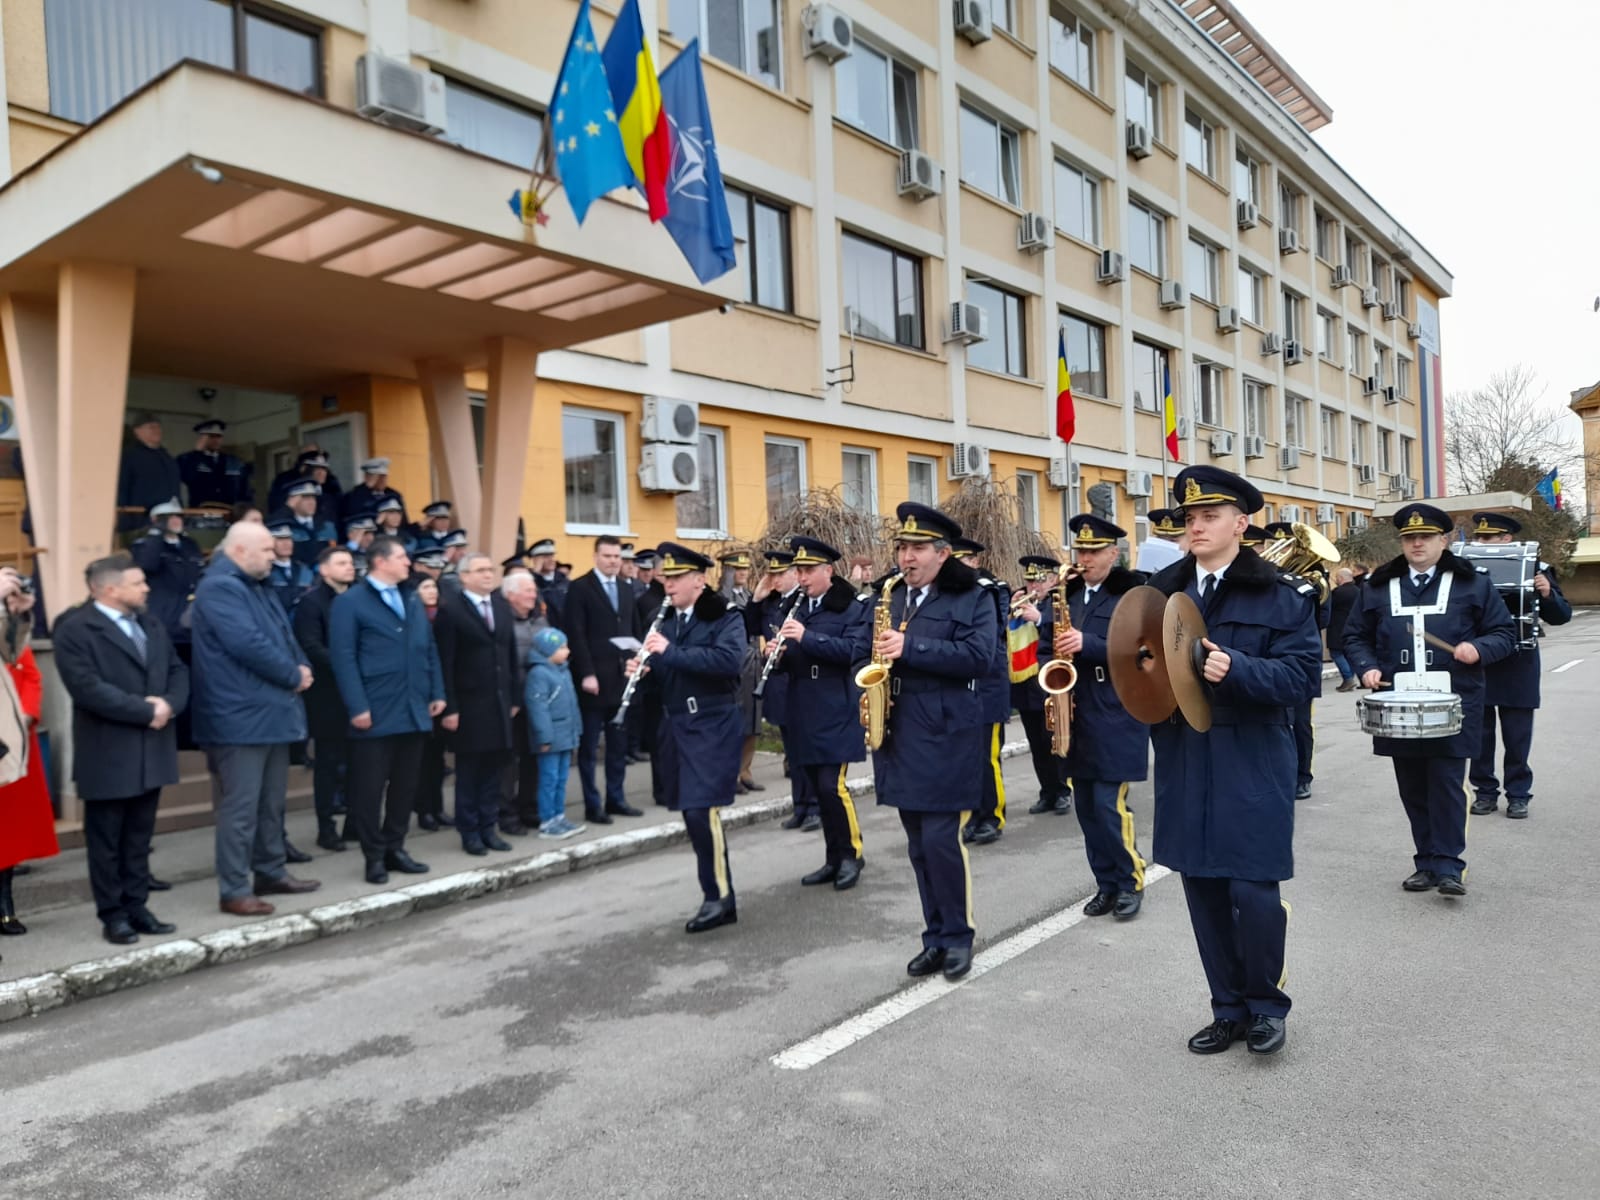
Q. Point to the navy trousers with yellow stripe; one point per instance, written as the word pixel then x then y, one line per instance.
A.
pixel 710 851
pixel 944 877
pixel 1434 793
pixel 1108 836
pixel 841 831
pixel 992 805
pixel 1240 926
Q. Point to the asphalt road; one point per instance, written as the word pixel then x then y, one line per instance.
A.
pixel 570 1041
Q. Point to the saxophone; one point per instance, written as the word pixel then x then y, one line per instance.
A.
pixel 873 679
pixel 1058 676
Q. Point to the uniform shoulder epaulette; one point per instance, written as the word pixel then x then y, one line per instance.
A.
pixel 867 596
pixel 1299 584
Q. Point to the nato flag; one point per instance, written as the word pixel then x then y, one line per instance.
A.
pixel 588 145
pixel 697 216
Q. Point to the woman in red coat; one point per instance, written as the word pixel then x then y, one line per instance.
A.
pixel 27 823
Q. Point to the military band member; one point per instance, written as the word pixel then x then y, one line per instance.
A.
pixel 1107 749
pixel 733 582
pixel 211 476
pixel 940 640
pixel 1034 606
pixel 695 661
pixel 1254 536
pixel 988 821
pixel 826 637
pixel 1224 816
pixel 1304 731
pixel 1166 543
pixel 1512 688
pixel 775 594
pixel 1430 585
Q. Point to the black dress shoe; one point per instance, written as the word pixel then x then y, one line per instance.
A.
pixel 292 854
pixel 475 848
pixel 969 831
pixel 399 860
pixel 148 922
pixel 1100 904
pixel 750 785
pixel 849 874
pixel 826 873
pixel 120 933
pixel 514 829
pixel 376 873
pixel 623 810
pixel 1484 805
pixel 713 913
pixel 495 842
pixel 1128 905
pixel 792 821
pixel 159 885
pixel 926 963
pixel 338 810
pixel 739 788
pixel 1043 804
pixel 1267 1035
pixel 811 824
pixel 1420 881
pixel 957 961
pixel 428 823
pixel 598 818
pixel 1217 1036
pixel 1063 804
pixel 329 841
pixel 1302 791
pixel 1451 885
pixel 987 832
pixel 1517 810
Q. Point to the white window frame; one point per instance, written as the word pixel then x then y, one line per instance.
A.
pixel 1293 316
pixel 1081 34
pixel 1330 432
pixel 1386 451
pixel 1380 362
pixel 752 70
pixel 1000 329
pixel 719 438
pixel 871 455
pixel 1154 224
pixel 1257 420
pixel 1326 222
pixel 1069 174
pixel 1203 266
pixel 1289 204
pixel 1196 123
pixel 1327 334
pixel 1402 376
pixel 1210 393
pixel 1028 498
pixel 1252 296
pixel 1006 181
pixel 894 135
pixel 621 424
pixel 1149 114
pixel 774 439
pixel 1407 445
pixel 1355 257
pixel 924 460
pixel 1358 441
pixel 1154 403
pixel 1356 341
pixel 1244 161
pixel 1295 433
pixel 1003 15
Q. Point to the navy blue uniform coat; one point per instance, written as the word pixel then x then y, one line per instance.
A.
pixel 935 749
pixel 1028 696
pixel 1106 743
pixel 762 622
pixel 384 665
pixel 172 569
pixel 1514 682
pixel 820 669
pixel 1225 798
pixel 995 687
pixel 701 750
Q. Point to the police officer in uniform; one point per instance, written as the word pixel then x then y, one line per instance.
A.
pixel 211 476
pixel 358 536
pixel 313 465
pixel 1224 814
pixel 994 689
pixel 363 499
pixel 695 660
pixel 775 595
pixel 289 578
pixel 1036 616
pixel 1428 585
pixel 1304 731
pixel 171 561
pixel 552 584
pixel 310 532
pixel 939 644
pixel 1512 689
pixel 826 636
pixel 1107 749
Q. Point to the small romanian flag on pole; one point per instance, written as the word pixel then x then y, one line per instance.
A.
pixel 1066 415
pixel 636 96
pixel 1169 414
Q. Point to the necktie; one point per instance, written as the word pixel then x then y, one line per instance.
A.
pixel 611 592
pixel 488 614
pixel 683 620
pixel 812 606
pixel 911 608
pixel 1420 582
pixel 1206 590
pixel 137 636
pixel 391 597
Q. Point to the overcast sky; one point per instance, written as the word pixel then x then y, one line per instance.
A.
pixel 1476 127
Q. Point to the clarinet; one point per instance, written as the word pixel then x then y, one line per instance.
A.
pixel 775 651
pixel 644 657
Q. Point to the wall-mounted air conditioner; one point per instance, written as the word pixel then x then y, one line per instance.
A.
pixel 1288 458
pixel 968 323
pixel 1366 473
pixel 1271 344
pixel 968 460
pixel 1063 473
pixel 1294 352
pixel 917 175
pixel 1343 277
pixel 1138 139
pixel 1112 268
pixel 1140 483
pixel 973 21
pixel 1221 444
pixel 1227 319
pixel 1035 232
pixel 1288 241
pixel 1247 213
pixel 396 93
pixel 1172 294
pixel 668 468
pixel 1326 514
pixel 667 420
pixel 1255 446
pixel 829 32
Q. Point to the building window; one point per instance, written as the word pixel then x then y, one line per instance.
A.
pixel 741 33
pixel 860 478
pixel 1028 498
pixel 1327 236
pixel 1380 277
pixel 1386 451
pixel 761 233
pixel 98 53
pixel 1402 294
pixel 1327 331
pixel 1072 47
pixel 703 513
pixel 1077 203
pixel 1004 14
pixel 1210 390
pixel 1005 349
pixel 878 94
pixel 922 475
pixel 1147 239
pixel 1293 316
pixel 1149 376
pixel 1200 264
pixel 1405 456
pixel 786 475
pixel 882 292
pixel 1288 206
pixel 1402 376
pixel 1380 364
pixel 1142 94
pixel 1246 178
pixel 593 448
pixel 1330 433
pixel 1358 442
pixel 1252 297
pixel 1256 422
pixel 1199 144
pixel 1355 257
pixel 1354 337
pixel 1295 417
pixel 990 156
pixel 1086 355
pixel 492 125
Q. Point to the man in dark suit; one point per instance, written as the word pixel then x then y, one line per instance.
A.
pixel 387 668
pixel 600 606
pixel 126 684
pixel 149 474
pixel 477 657
pixel 326 719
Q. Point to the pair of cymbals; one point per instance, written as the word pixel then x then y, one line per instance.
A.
pixel 1156 656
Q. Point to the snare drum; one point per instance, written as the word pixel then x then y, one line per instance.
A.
pixel 1410 714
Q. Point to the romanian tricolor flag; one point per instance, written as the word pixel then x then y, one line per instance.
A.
pixel 1169 414
pixel 1066 416
pixel 1022 644
pixel 636 96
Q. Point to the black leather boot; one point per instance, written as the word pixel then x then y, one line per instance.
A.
pixel 9 925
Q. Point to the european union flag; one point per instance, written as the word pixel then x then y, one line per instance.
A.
pixel 583 125
pixel 697 217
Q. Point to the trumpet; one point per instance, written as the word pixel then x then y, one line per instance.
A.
pixel 873 679
pixel 775 651
pixel 643 657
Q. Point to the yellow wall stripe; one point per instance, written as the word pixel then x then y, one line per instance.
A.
pixel 719 853
pixel 1128 841
pixel 849 811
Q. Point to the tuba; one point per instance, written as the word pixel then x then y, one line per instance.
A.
pixel 873 679
pixel 1305 554
pixel 1058 676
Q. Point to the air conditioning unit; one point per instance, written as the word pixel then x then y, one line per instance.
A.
pixel 1408 489
pixel 828 32
pixel 1288 241
pixel 1112 268
pixel 1290 513
pixel 1221 444
pixel 1359 520
pixel 968 460
pixel 1140 483
pixel 1369 297
pixel 1255 446
pixel 1248 214
pixel 1184 428
pixel 668 468
pixel 1391 310
pixel 1288 458
pixel 1294 352
pixel 1172 294
pixel 1063 473
pixel 917 176
pixel 1343 277
pixel 1227 319
pixel 1391 395
pixel 1366 473
pixel 1326 514
pixel 1414 330
pixel 1271 344
pixel 671 421
pixel 1138 139
pixel 968 323
pixel 1369 386
pixel 396 93
pixel 1034 233
pixel 973 21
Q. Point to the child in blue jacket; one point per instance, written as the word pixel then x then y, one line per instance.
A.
pixel 554 726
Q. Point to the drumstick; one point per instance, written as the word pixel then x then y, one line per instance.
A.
pixel 1432 639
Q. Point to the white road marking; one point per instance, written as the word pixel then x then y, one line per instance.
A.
pixel 1566 666
pixel 1581 612
pixel 807 1054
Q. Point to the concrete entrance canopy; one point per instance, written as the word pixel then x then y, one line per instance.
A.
pixel 215 227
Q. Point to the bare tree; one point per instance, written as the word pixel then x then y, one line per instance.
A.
pixel 1508 420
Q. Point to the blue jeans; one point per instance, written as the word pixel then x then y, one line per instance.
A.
pixel 1343 663
pixel 553 784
